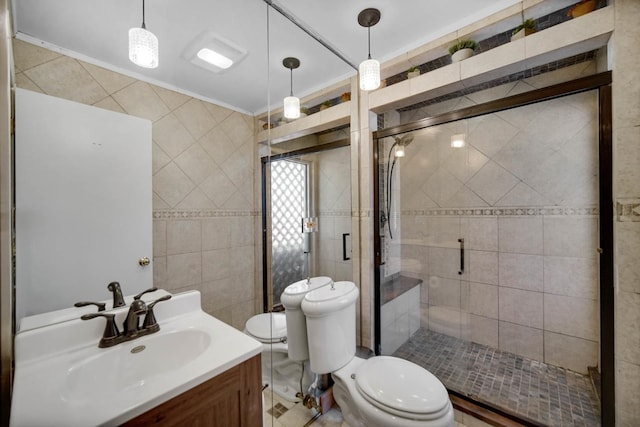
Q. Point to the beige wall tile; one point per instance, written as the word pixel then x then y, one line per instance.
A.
pixel 577 317
pixel 522 307
pixel 111 82
pixel 159 238
pixel 484 331
pixel 27 55
pixel 570 236
pixel 171 184
pixel 24 82
pixel 183 236
pixel 195 118
pixel 444 292
pixel 444 263
pixel 627 323
pixel 570 276
pixel 65 78
pixel 483 267
pixel 109 103
pixel 160 272
pixel 171 135
pixel 527 342
pixel 196 164
pixel 216 264
pixel 627 155
pixel 138 99
pixel 196 200
pixel 520 235
pixel 627 241
pixel 483 300
pixel 184 270
pixel 480 233
pixel 570 352
pixel 627 396
pixel 521 271
pixel 171 98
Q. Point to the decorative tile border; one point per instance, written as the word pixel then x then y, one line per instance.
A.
pixel 628 210
pixel 196 214
pixel 519 211
pixel 335 213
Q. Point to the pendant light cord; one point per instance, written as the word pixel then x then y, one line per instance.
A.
pixel 368 40
pixel 291 85
pixel 143 26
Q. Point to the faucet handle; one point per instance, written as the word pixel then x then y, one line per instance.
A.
pixel 118 299
pixel 144 292
pixel 101 306
pixel 150 323
pixel 111 333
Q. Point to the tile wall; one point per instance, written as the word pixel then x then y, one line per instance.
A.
pixel 524 191
pixel 204 163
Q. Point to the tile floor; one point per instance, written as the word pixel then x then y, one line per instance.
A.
pixel 282 413
pixel 543 393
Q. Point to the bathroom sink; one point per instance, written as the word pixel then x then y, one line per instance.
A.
pixel 134 364
pixel 61 371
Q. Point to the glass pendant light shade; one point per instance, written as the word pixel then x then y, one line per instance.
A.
pixel 369 74
pixel 143 48
pixel 291 107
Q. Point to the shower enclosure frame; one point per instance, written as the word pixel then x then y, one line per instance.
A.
pixel 266 210
pixel 600 82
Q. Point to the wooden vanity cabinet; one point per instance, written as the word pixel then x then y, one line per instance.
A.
pixel 231 399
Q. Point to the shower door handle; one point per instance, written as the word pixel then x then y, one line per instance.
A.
pixel 461 271
pixel 344 247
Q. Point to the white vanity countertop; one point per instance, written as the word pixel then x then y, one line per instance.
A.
pixel 63 378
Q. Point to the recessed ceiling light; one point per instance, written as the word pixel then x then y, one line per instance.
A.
pixel 214 58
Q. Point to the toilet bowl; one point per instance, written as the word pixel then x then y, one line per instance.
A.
pixel 382 391
pixel 280 373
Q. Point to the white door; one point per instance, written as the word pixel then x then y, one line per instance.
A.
pixel 83 203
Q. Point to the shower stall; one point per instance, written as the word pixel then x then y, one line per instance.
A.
pixel 488 251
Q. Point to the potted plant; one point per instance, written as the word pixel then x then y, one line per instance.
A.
pixel 413 72
pixel 527 27
pixel 462 50
pixel 584 7
pixel 304 111
pixel 345 97
pixel 326 104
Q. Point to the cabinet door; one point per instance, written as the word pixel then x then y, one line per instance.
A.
pixel 83 202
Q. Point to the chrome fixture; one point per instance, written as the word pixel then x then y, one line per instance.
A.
pixel 369 69
pixel 131 325
pixel 400 144
pixel 291 103
pixel 143 46
pixel 118 299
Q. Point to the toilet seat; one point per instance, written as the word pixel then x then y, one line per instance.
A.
pixel 268 327
pixel 401 388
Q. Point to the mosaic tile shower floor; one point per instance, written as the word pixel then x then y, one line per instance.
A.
pixel 534 390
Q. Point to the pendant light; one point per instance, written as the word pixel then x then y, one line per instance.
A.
pixel 369 69
pixel 143 46
pixel 291 103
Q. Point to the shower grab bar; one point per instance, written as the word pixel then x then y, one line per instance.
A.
pixel 461 271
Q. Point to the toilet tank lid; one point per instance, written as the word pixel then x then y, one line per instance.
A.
pixel 303 286
pixel 400 385
pixel 330 298
pixel 268 326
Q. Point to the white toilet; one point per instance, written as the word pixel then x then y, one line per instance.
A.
pixel 278 371
pixel 381 391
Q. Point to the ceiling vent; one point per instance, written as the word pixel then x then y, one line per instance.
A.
pixel 214 53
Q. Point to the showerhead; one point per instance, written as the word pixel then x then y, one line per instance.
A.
pixel 401 143
pixel 404 140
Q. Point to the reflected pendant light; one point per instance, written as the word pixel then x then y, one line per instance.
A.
pixel 458 140
pixel 369 69
pixel 143 46
pixel 291 103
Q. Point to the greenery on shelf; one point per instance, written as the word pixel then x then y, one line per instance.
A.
pixel 529 24
pixel 412 69
pixel 462 44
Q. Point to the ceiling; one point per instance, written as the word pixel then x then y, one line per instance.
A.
pixel 96 31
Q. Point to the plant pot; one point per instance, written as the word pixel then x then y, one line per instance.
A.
pixel 345 97
pixel 523 33
pixel 582 8
pixel 461 54
pixel 412 74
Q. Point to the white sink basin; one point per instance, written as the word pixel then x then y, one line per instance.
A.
pixel 132 365
pixel 61 371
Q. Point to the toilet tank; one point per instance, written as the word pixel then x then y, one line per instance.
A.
pixel 331 326
pixel 291 299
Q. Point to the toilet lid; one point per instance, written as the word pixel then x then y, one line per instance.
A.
pixel 271 331
pixel 400 387
pixel 303 286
